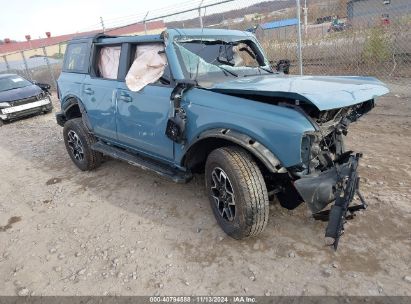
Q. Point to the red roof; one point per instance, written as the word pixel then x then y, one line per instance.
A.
pixel 136 28
pixel 38 43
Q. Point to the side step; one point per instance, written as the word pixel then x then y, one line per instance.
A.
pixel 142 162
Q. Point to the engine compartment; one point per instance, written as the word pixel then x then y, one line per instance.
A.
pixel 321 148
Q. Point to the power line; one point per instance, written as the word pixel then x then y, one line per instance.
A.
pixel 165 12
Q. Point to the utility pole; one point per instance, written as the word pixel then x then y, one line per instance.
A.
pixel 102 24
pixel 7 63
pixel 305 9
pixel 46 58
pixel 199 14
pixel 201 18
pixel 145 23
pixel 299 51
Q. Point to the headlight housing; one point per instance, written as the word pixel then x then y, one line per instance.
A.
pixel 310 149
pixel 306 143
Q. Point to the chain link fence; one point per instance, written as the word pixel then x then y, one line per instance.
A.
pixel 358 37
pixel 339 37
pixel 37 65
pixel 369 37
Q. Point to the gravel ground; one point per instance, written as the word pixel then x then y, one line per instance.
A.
pixel 122 231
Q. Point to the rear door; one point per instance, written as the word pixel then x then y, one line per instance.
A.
pixel 142 116
pixel 99 90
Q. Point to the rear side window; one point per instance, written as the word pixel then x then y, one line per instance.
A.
pixel 108 61
pixel 76 58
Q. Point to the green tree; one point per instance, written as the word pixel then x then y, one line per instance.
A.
pixel 376 48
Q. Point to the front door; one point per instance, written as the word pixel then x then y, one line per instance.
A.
pixel 142 119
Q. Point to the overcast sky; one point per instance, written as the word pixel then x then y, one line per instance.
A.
pixel 35 17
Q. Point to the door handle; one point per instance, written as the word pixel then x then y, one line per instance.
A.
pixel 125 97
pixel 89 91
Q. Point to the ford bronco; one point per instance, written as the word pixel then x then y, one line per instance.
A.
pixel 208 101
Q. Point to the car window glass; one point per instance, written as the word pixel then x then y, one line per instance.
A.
pixel 108 62
pixel 148 66
pixel 194 63
pixel 13 82
pixel 211 60
pixel 76 57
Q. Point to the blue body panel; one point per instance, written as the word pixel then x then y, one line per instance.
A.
pixel 98 97
pixel 141 120
pixel 70 86
pixel 325 92
pixel 277 128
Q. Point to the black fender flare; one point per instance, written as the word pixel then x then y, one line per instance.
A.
pixel 70 101
pixel 73 100
pixel 268 159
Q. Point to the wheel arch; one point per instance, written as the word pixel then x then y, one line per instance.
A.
pixel 73 107
pixel 196 154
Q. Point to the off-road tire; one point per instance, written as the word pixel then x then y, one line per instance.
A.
pixel 91 159
pixel 248 187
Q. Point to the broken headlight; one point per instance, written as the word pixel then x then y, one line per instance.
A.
pixel 310 149
pixel 305 149
pixel 4 104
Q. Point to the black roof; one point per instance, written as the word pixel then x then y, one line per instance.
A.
pixel 93 37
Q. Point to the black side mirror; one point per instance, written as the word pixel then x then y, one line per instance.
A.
pixel 44 86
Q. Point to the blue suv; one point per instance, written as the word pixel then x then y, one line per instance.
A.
pixel 208 101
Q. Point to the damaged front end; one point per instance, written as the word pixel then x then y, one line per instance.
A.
pixel 339 183
pixel 329 173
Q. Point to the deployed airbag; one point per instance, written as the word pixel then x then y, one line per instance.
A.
pixel 148 66
pixel 109 61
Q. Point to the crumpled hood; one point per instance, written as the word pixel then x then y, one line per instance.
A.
pixel 325 92
pixel 20 93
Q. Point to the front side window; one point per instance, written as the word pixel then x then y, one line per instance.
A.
pixel 148 66
pixel 208 60
pixel 76 58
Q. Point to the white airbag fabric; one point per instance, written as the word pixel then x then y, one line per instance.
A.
pixel 109 61
pixel 148 66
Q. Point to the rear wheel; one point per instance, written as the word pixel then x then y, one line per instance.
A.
pixel 78 143
pixel 237 192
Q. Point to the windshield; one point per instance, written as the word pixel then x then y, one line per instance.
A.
pixel 210 60
pixel 13 82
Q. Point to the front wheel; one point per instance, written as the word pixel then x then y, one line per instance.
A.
pixel 237 192
pixel 78 143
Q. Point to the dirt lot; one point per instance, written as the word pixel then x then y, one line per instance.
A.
pixel 122 231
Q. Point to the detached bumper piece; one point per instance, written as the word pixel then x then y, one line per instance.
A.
pixel 340 183
pixel 346 188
